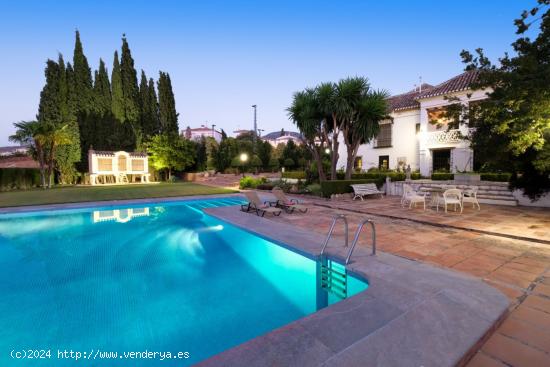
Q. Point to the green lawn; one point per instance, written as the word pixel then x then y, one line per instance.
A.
pixel 98 193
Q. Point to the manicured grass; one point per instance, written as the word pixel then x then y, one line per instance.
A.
pixel 98 193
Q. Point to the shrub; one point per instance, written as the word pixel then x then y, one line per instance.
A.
pixel 442 176
pixel 499 177
pixel 251 182
pixel 300 175
pixel 314 189
pixel 19 178
pixel 289 162
pixel 343 186
pixel 265 186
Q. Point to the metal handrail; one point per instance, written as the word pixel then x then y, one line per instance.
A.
pixel 357 233
pixel 334 220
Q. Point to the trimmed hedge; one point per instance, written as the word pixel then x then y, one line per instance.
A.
pixel 442 176
pixel 343 186
pixel 19 178
pixel 498 177
pixel 394 176
pixel 248 182
pixel 300 175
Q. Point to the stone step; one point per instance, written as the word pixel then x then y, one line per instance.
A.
pixel 498 202
pixel 496 197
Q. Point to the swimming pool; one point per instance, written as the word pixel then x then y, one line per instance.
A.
pixel 161 277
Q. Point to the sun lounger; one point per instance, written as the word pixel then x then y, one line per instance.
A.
pixel 289 205
pixel 255 204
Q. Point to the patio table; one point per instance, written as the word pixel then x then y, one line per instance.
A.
pixel 435 193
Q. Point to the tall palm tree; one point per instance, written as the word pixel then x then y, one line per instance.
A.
pixel 29 133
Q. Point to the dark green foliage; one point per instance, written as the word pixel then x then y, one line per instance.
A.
pixel 264 149
pixel 343 186
pixel 102 90
pixel 513 124
pixel 224 154
pixel 265 186
pixel 171 152
pixel 200 155
pixel 82 77
pixel 300 175
pixel 441 176
pixel 130 91
pixel 497 177
pixel 150 124
pixel 250 182
pixel 117 102
pixel 19 178
pixel 167 105
pixel 289 163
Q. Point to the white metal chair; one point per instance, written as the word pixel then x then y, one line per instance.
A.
pixel 470 196
pixel 451 197
pixel 412 197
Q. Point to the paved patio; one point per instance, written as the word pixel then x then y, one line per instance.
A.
pixel 518 268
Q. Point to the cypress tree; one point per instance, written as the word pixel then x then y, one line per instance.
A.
pixel 167 105
pixel 102 90
pixel 144 105
pixel 48 108
pixel 130 89
pixel 117 102
pixel 154 108
pixel 82 77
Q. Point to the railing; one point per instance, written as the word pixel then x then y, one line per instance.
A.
pixel 355 239
pixel 444 137
pixel 357 233
pixel 334 220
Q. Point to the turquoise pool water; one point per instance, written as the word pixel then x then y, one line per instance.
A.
pixel 147 278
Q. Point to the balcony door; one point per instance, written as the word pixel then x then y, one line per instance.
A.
pixel 441 160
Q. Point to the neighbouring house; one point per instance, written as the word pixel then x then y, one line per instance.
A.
pixel 418 135
pixel 13 150
pixel 203 131
pixel 239 132
pixel 277 137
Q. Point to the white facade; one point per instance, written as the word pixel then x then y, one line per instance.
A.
pixel 117 167
pixel 200 132
pixel 417 142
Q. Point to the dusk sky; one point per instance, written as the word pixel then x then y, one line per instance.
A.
pixel 224 56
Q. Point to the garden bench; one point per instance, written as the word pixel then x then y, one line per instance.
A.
pixel 360 190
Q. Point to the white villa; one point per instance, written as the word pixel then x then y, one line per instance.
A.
pixel 117 167
pixel 282 137
pixel 408 138
pixel 203 131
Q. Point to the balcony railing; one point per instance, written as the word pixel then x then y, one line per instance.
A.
pixel 443 137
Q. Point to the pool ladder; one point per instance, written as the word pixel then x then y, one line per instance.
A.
pixel 355 239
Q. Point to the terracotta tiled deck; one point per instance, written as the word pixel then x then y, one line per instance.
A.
pixel 519 268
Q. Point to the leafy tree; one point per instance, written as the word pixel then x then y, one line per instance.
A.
pixel 167 105
pixel 200 155
pixel 102 90
pixel 292 152
pixel 264 152
pixel 211 147
pixel 514 119
pixel 170 152
pixel 274 164
pixel 289 163
pixel 224 153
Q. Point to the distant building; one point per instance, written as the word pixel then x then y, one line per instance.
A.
pixel 199 132
pixel 14 150
pixel 277 137
pixel 238 132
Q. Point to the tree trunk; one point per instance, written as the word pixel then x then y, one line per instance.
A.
pixel 40 153
pixel 50 165
pixel 334 156
pixel 317 157
pixel 352 153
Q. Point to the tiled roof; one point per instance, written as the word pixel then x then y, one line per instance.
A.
pixel 277 134
pixel 407 100
pixel 105 153
pixel 456 84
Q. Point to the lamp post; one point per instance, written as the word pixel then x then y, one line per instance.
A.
pixel 243 158
pixel 255 126
pixel 213 131
pixel 260 132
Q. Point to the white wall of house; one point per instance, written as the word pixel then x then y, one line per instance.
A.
pixel 404 144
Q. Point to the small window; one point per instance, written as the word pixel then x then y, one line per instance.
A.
pixel 105 164
pixel 384 136
pixel 358 163
pixel 417 128
pixel 137 165
pixel 383 162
